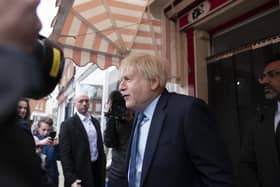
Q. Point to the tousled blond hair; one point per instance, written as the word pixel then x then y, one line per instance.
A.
pixel 150 66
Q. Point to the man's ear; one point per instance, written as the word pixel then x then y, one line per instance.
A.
pixel 155 84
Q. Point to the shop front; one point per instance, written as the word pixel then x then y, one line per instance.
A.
pixel 223 46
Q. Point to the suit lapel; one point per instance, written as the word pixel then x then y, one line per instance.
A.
pixel 98 134
pixel 266 137
pixel 267 129
pixel 154 133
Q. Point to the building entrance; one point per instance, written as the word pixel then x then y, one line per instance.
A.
pixel 234 94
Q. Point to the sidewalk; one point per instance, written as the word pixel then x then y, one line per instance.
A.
pixel 61 178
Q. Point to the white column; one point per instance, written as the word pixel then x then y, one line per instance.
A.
pixel 201 49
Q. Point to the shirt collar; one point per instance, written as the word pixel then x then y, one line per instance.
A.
pixel 278 107
pixel 149 110
pixel 83 117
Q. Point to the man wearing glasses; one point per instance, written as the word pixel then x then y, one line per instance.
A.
pixel 259 163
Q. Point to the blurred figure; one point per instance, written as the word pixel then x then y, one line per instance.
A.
pixel 260 155
pixel 116 136
pixel 16 43
pixel 81 148
pixel 19 26
pixel 175 139
pixel 24 109
pixel 48 148
pixel 24 113
pixel 15 34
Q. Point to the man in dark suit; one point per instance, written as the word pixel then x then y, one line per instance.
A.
pixel 259 163
pixel 177 139
pixel 81 148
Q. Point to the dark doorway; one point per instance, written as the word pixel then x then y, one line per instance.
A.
pixel 235 95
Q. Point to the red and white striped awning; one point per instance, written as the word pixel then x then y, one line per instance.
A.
pixel 105 31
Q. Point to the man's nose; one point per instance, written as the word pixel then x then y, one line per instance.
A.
pixel 121 86
pixel 264 80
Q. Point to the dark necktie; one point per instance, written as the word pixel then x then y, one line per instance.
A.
pixel 133 151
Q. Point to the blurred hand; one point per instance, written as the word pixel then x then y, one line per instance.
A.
pixel 19 23
pixel 38 150
pixel 108 106
pixel 77 183
pixel 55 141
pixel 46 141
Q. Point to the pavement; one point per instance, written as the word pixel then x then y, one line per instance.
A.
pixel 61 178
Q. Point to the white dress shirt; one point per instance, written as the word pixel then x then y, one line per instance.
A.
pixel 143 135
pixel 277 116
pixel 92 135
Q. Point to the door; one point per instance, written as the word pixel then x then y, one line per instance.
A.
pixel 235 95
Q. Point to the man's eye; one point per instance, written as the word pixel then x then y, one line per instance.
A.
pixel 81 101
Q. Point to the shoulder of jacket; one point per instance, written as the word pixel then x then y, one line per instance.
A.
pixel 69 120
pixel 187 99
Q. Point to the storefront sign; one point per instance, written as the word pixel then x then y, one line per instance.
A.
pixel 200 11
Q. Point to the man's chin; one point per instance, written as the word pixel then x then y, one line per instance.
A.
pixel 270 96
pixel 130 106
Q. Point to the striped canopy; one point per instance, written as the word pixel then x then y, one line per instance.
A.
pixel 105 31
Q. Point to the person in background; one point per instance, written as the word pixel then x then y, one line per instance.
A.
pixel 24 109
pixel 81 148
pixel 48 147
pixel 24 113
pixel 116 136
pixel 175 139
pixel 260 153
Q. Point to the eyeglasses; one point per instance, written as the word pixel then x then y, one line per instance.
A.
pixel 269 74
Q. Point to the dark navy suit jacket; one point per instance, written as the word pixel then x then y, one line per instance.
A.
pixel 259 162
pixel 183 146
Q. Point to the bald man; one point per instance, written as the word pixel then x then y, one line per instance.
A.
pixel 81 148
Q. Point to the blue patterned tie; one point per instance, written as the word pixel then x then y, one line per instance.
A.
pixel 133 151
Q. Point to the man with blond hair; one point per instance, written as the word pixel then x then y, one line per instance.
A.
pixel 175 140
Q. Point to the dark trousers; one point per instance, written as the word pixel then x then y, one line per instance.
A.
pixel 96 181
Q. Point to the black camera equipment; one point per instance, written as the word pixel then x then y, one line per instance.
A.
pixel 24 75
pixel 52 135
pixel 118 108
pixel 32 76
pixel 50 62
